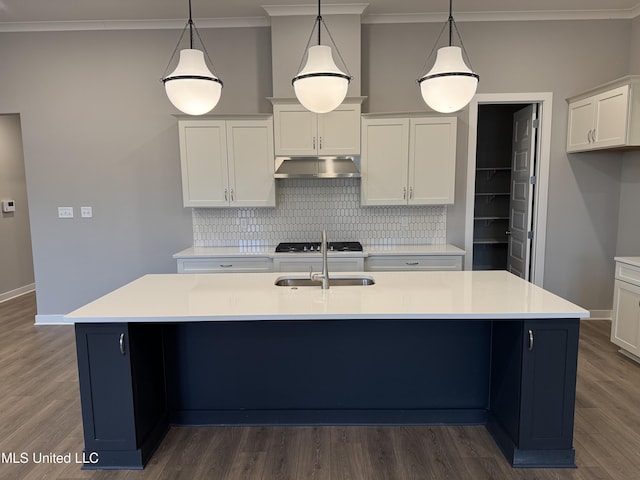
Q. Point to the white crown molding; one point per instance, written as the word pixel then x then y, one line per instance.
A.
pixel 346 9
pixel 231 22
pixel 328 9
pixel 541 15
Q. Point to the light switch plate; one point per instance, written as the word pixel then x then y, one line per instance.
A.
pixel 86 212
pixel 65 212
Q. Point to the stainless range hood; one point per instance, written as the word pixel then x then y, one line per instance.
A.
pixel 318 167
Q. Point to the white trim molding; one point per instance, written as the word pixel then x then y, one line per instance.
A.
pixel 52 320
pixel 522 16
pixel 344 9
pixel 17 292
pixel 545 101
pixel 309 9
pixel 600 315
pixel 81 25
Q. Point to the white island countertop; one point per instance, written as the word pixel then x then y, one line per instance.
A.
pixel 395 295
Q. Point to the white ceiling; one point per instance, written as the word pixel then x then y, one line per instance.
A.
pixel 29 11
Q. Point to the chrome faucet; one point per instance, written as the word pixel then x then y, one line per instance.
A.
pixel 324 276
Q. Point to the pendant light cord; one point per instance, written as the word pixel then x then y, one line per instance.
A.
pixel 451 23
pixel 318 22
pixel 192 28
pixel 190 23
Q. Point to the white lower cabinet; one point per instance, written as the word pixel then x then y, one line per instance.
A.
pixel 625 326
pixel 403 263
pixel 225 265
pixel 297 264
pixel 227 162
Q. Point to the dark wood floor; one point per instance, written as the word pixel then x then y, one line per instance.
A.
pixel 40 413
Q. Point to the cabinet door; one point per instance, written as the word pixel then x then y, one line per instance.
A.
pixel 385 153
pixel 339 131
pixel 549 366
pixel 251 163
pixel 295 130
pixel 432 160
pixel 581 120
pixel 203 158
pixel 610 127
pixel 625 328
pixel 104 369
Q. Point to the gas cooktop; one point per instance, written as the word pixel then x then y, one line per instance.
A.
pixel 302 247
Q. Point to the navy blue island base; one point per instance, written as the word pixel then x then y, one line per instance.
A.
pixel 517 377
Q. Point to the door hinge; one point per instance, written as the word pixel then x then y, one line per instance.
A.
pixel 530 234
pixel 533 180
pixel 536 123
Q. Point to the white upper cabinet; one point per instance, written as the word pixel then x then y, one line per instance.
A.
pixel 299 132
pixel 607 117
pixel 227 162
pixel 408 161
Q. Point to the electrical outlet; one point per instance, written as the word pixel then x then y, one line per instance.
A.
pixel 65 212
pixel 86 212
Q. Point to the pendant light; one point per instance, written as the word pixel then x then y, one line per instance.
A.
pixel 191 87
pixel 450 84
pixel 321 86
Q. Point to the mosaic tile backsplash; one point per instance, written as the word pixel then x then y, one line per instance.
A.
pixel 306 206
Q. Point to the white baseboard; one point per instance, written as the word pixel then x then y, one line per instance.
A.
pixel 600 315
pixel 17 292
pixel 52 320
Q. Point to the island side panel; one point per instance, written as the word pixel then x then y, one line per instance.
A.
pixel 329 372
pixel 122 393
pixel 533 382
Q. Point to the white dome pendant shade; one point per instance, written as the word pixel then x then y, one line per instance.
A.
pixel 450 85
pixel 320 86
pixel 191 87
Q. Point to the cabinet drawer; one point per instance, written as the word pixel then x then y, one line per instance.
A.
pixel 413 262
pixel 628 273
pixel 315 264
pixel 224 265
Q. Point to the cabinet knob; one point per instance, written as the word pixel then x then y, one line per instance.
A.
pixel 410 193
pixel 320 143
pixel 314 143
pixel 530 340
pixel 121 343
pixel 226 195
pixel 232 195
pixel 404 193
pixel 507 233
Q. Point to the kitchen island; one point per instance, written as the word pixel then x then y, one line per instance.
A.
pixel 412 348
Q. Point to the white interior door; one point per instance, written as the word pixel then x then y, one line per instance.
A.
pixel 521 203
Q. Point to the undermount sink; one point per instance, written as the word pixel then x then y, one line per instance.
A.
pixel 336 281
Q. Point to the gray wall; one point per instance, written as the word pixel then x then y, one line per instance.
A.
pixel 629 223
pixel 16 262
pixel 98 131
pixel 560 57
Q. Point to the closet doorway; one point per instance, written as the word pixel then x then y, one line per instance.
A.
pixel 507 185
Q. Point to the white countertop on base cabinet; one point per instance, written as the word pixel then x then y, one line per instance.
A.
pixel 395 295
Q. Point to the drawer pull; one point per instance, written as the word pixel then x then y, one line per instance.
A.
pixel 412 263
pixel 121 342
pixel 227 266
pixel 530 340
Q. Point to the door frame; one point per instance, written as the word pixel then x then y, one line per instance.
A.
pixel 541 192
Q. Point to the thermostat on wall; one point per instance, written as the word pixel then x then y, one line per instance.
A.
pixel 8 206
